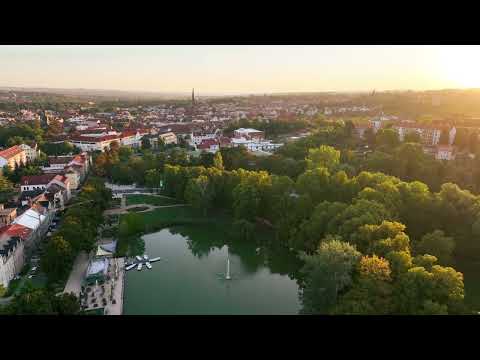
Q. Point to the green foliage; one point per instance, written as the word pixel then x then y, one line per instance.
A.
pixel 57 149
pixel 328 272
pixel 218 161
pixel 438 245
pixel 43 302
pixel 324 156
pixel 199 193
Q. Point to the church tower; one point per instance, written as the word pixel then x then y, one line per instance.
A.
pixel 193 97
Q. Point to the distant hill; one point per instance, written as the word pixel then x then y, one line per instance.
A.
pixel 99 93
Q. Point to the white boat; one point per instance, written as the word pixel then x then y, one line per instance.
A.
pixel 139 258
pixel 155 259
pixel 145 257
pixel 139 267
pixel 129 267
pixel 148 265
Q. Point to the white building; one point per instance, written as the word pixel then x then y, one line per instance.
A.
pixel 12 255
pixel 254 145
pixel 445 153
pixel 249 134
pixel 196 137
pixel 31 152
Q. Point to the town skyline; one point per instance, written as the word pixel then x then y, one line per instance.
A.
pixel 232 70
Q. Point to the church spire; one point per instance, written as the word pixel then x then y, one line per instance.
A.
pixel 193 97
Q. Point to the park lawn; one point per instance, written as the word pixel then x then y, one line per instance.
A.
pixel 151 200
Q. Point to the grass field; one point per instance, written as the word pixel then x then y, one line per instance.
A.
pixel 151 200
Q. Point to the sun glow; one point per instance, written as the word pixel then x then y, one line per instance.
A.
pixel 461 65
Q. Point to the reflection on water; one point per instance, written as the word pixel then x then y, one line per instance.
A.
pixel 264 278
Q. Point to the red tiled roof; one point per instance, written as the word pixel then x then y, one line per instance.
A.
pixel 37 179
pixel 94 138
pixel 129 133
pixel 15 230
pixel 11 152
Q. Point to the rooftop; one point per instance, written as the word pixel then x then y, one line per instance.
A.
pixel 11 152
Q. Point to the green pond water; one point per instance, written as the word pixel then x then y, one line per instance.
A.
pixel 190 277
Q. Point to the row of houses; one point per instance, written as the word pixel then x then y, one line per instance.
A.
pixel 41 196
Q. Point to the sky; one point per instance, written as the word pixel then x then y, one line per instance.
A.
pixel 224 69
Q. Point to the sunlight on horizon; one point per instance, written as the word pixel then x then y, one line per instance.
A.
pixel 241 69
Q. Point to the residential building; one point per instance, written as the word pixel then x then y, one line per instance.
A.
pixel 13 156
pixel 32 151
pixel 7 215
pixel 430 135
pixel 249 134
pixel 197 137
pixel 12 255
pixel 209 145
pixel 254 145
pixel 168 138
pixel 35 182
pixel 445 152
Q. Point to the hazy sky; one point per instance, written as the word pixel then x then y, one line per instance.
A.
pixel 241 69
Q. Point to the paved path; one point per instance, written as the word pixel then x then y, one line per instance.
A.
pixel 74 283
pixel 148 206
pixel 117 309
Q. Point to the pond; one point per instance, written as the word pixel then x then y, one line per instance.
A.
pixel 190 277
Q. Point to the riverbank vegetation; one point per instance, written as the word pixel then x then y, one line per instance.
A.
pixel 326 213
pixel 391 241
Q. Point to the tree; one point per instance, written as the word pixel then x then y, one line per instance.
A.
pixel 387 138
pixel 327 273
pixel 130 225
pixel 367 296
pixel 146 143
pixel 199 193
pixel 218 161
pixel 418 288
pixel 66 304
pixel 438 245
pixel 426 261
pixel 314 229
pixel 400 262
pixel 375 268
pixel 57 259
pixel 324 156
pixel 32 302
pixel 6 188
pixel 244 228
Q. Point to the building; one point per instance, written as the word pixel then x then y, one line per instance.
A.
pixel 13 156
pixel 35 182
pixel 43 182
pixel 445 152
pixel 32 151
pixel 209 145
pixel 168 138
pixel 197 137
pixel 7 215
pixel 102 141
pixel 12 254
pixel 249 134
pixel 430 135
pixel 254 145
